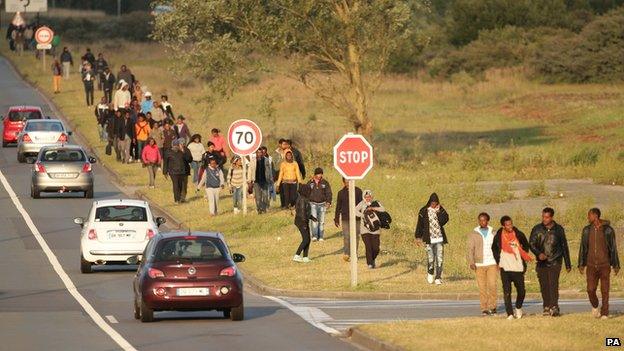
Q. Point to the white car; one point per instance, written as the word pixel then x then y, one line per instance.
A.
pixel 115 231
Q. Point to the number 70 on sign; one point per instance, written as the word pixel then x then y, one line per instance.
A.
pixel 244 137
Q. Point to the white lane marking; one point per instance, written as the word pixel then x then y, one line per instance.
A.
pixel 312 315
pixel 112 319
pixel 56 265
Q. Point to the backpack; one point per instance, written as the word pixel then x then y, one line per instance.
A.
pixel 384 220
pixel 371 221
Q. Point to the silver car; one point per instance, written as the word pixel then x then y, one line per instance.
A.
pixel 60 169
pixel 38 133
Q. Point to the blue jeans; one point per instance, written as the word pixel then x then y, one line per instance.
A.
pixel 195 168
pixel 237 197
pixel 435 258
pixel 317 228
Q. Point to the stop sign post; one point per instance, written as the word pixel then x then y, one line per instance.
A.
pixel 244 139
pixel 353 159
pixel 44 36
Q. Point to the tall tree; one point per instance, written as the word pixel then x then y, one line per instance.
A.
pixel 336 48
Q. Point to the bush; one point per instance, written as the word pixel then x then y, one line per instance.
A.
pixel 585 157
pixel 135 26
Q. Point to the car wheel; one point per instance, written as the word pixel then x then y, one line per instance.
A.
pixel 227 312
pixel 147 314
pixel 4 144
pixel 88 194
pixel 21 158
pixel 35 193
pixel 137 310
pixel 85 266
pixel 237 313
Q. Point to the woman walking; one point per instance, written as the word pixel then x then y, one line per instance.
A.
pixel 367 210
pixel 303 216
pixel 289 177
pixel 151 160
pixel 197 151
pixel 57 72
pixel 511 252
pixel 88 79
pixel 235 182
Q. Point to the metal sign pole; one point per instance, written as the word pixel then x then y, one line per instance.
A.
pixel 352 234
pixel 43 59
pixel 244 185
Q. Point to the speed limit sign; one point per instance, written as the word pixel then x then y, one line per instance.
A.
pixel 244 137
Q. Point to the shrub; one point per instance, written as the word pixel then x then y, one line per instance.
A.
pixel 135 26
pixel 585 157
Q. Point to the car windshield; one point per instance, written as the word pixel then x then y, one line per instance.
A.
pixel 44 127
pixel 194 249
pixel 63 155
pixel 121 213
pixel 17 116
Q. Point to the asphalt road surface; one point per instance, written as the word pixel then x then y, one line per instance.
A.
pixel 41 310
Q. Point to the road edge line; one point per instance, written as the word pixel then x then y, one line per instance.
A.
pixel 305 316
pixel 56 265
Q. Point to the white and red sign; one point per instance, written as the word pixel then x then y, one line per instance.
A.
pixel 244 137
pixel 353 156
pixel 44 35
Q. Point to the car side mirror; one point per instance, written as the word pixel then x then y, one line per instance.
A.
pixel 80 221
pixel 92 159
pixel 31 160
pixel 48 117
pixel 160 221
pixel 69 132
pixel 133 259
pixel 238 257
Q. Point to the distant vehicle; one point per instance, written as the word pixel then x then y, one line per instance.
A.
pixel 183 271
pixel 115 231
pixel 160 9
pixel 60 169
pixel 15 119
pixel 38 133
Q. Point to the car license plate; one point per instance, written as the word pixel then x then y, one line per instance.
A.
pixel 64 175
pixel 192 291
pixel 120 234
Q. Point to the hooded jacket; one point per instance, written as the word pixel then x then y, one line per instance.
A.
pixel 422 226
pixel 609 234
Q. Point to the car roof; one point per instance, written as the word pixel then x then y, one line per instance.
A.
pixel 25 108
pixel 113 202
pixel 181 233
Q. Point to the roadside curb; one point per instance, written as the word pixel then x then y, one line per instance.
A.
pixel 370 342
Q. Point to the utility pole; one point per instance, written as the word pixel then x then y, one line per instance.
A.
pixel 118 8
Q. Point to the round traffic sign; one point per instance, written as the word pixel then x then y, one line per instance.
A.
pixel 353 156
pixel 244 137
pixel 44 35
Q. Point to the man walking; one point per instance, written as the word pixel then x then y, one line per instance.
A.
pixel 320 200
pixel 341 218
pixel 260 177
pixel 481 260
pixel 100 66
pixel 108 83
pixel 550 246
pixel 430 230
pixel 597 255
pixel 67 62
pixel 214 183
pixel 179 169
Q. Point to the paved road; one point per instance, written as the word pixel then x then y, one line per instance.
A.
pixel 38 313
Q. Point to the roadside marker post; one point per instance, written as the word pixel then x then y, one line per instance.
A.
pixel 353 159
pixel 244 139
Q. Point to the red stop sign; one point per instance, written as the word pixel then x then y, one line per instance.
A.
pixel 353 156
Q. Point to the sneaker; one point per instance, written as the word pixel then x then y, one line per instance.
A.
pixel 236 210
pixel 370 266
pixel 595 312
pixel 305 260
pixel 314 238
pixel 554 312
pixel 604 317
pixel 438 282
pixel 430 278
pixel 297 258
pixel 519 313
pixel 346 258
pixel 493 312
pixel 485 313
pixel 321 239
pixel 510 317
pixel 546 311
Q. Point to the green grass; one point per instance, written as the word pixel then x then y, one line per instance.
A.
pixel 430 136
pixel 569 332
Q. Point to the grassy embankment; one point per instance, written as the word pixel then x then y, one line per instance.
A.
pixel 570 332
pixel 430 136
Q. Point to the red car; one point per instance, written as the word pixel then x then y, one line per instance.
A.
pixel 184 271
pixel 15 119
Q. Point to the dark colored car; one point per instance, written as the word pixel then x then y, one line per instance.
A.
pixel 183 271
pixel 15 119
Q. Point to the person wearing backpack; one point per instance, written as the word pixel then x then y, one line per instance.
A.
pixel 370 228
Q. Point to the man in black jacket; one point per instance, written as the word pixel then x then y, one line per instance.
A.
pixel 100 66
pixel 118 134
pixel 320 200
pixel 597 255
pixel 341 218
pixel 129 137
pixel 179 168
pixel 550 247
pixel 430 230
pixel 107 78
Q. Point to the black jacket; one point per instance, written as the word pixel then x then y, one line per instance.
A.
pixel 303 211
pixel 108 83
pixel 299 159
pixel 129 129
pixel 178 162
pixel 497 246
pixel 551 242
pixel 342 203
pixel 422 226
pixel 321 193
pixel 207 156
pixel 609 233
pixel 119 128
